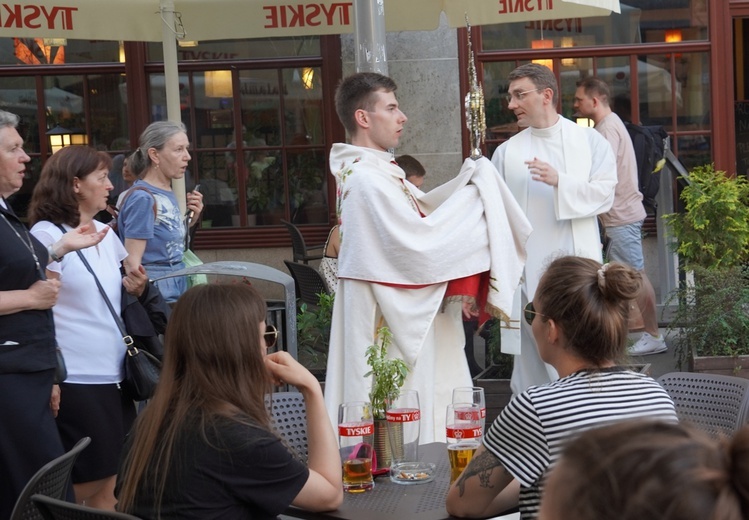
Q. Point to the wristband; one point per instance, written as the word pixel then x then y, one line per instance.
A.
pixel 53 255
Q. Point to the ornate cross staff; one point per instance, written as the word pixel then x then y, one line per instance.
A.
pixel 474 103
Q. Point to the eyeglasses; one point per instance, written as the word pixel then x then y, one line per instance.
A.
pixel 271 336
pixel 519 96
pixel 529 313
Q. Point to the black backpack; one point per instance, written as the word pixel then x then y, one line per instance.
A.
pixel 649 144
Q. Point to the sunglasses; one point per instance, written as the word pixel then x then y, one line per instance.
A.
pixel 271 336
pixel 529 313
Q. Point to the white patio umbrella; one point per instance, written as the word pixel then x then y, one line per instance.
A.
pixel 170 20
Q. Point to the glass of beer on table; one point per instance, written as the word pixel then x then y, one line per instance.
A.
pixel 463 433
pixel 471 394
pixel 356 441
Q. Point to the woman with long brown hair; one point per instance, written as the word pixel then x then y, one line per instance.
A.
pixel 203 448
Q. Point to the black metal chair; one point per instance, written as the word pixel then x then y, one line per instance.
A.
pixel 51 480
pixel 289 420
pixel 716 404
pixel 53 509
pixel 300 248
pixel 308 280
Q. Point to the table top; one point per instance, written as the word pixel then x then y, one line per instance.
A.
pixel 396 501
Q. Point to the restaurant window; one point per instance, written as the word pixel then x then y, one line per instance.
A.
pixel 57 51
pixel 640 21
pixel 256 48
pixel 258 143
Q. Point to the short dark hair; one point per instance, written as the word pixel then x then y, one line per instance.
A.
pixel 356 92
pixel 540 75
pixel 53 198
pixel 411 166
pixel 595 87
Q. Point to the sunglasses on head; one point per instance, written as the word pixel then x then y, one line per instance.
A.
pixel 270 335
pixel 529 313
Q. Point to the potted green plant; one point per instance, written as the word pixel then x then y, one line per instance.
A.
pixel 711 325
pixel 388 375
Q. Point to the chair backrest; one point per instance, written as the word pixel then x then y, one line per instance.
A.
pixel 51 480
pixel 289 420
pixel 298 246
pixel 309 281
pixel 714 403
pixel 54 509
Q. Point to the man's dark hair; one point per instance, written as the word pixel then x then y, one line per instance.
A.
pixel 411 166
pixel 595 87
pixel 540 75
pixel 356 92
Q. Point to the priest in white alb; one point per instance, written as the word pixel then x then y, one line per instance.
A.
pixel 563 176
pixel 408 259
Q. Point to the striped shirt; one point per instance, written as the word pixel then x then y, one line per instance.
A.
pixel 531 432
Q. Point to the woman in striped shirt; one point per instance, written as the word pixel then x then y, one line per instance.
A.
pixel 579 321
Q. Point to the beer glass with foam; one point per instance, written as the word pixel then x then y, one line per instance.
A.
pixel 463 434
pixel 355 438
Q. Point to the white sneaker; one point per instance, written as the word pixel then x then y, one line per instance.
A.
pixel 647 345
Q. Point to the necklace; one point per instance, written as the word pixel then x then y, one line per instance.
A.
pixel 28 243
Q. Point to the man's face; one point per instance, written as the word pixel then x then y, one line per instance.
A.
pixel 385 121
pixel 12 161
pixel 528 102
pixel 584 104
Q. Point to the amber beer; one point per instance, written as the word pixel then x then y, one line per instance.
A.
pixel 460 455
pixel 357 475
pixel 356 438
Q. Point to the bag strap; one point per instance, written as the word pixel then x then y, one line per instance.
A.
pixel 139 188
pixel 126 338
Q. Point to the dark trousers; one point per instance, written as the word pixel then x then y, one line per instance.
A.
pixel 28 434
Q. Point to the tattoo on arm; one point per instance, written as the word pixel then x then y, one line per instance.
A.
pixel 481 466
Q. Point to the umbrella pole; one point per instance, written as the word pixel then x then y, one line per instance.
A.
pixel 171 83
pixel 369 37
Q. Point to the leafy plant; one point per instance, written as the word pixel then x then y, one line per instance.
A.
pixel 713 230
pixel 313 328
pixel 388 374
pixel 712 317
pixel 499 362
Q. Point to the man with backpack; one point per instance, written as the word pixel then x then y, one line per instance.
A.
pixel 623 222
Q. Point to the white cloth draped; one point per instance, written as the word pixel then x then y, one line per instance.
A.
pixel 468 228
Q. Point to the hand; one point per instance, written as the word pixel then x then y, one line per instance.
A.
pixel 135 281
pixel 469 309
pixel 195 204
pixel 44 294
pixel 80 238
pixel 543 171
pixel 285 369
pixel 54 400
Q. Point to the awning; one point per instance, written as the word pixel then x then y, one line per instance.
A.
pixel 140 20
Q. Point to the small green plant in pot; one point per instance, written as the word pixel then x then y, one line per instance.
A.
pixel 712 240
pixel 388 375
pixel 313 333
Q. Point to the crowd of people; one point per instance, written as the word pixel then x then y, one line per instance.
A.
pixel 515 238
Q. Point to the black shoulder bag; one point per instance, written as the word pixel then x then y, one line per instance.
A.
pixel 141 368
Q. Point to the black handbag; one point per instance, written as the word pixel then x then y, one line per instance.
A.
pixel 142 368
pixel 61 370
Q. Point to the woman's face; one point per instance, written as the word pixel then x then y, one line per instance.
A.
pixel 12 161
pixel 172 159
pixel 127 175
pixel 93 191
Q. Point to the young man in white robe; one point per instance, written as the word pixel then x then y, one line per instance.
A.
pixel 407 258
pixel 563 176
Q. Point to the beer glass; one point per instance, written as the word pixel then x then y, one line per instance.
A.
pixel 403 422
pixel 355 438
pixel 472 394
pixel 463 433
